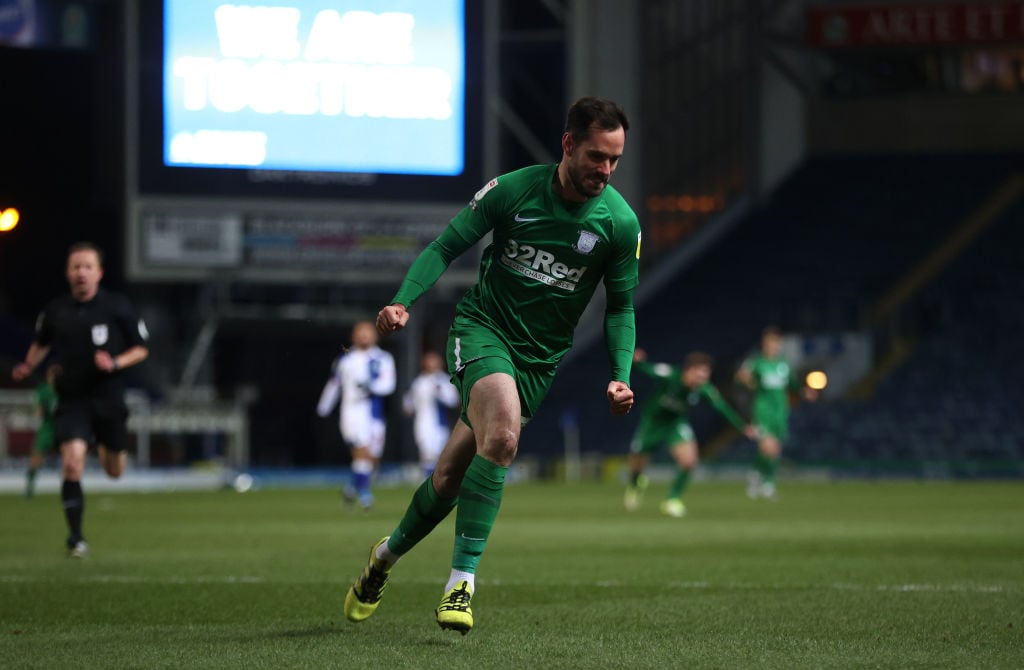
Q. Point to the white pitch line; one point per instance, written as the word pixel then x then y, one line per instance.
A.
pixel 130 579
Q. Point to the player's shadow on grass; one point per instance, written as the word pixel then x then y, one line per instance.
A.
pixel 323 630
pixel 427 638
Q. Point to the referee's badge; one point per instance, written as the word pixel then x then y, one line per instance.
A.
pixel 585 244
pixel 100 334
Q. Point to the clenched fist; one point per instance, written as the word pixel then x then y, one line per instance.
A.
pixel 620 398
pixel 391 319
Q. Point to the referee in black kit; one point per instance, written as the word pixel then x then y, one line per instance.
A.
pixel 95 335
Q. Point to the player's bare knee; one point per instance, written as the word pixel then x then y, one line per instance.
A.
pixel 771 448
pixel 500 445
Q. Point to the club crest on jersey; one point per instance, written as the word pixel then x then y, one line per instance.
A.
pixel 100 334
pixel 586 243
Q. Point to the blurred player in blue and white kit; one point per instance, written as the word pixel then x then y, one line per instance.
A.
pixel 362 377
pixel 430 399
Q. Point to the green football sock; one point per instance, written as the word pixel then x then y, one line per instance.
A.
pixel 425 511
pixel 479 500
pixel 768 466
pixel 30 482
pixel 679 483
pixel 760 464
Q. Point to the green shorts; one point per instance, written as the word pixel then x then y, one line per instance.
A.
pixel 771 424
pixel 650 436
pixel 770 414
pixel 475 351
pixel 43 441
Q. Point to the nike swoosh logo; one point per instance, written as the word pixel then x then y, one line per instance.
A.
pixel 520 219
pixel 474 539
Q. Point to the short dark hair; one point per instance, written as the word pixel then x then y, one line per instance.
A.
pixel 771 331
pixel 588 112
pixel 695 358
pixel 86 246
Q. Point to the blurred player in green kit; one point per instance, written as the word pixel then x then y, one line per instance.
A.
pixel 772 380
pixel 46 408
pixel 666 421
pixel 558 232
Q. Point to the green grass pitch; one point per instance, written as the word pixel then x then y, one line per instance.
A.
pixel 833 575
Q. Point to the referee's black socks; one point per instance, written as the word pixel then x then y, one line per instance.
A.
pixel 74 505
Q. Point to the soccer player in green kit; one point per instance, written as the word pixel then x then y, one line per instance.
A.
pixel 45 409
pixel 665 421
pixel 772 380
pixel 558 231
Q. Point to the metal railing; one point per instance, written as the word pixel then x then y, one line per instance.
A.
pixel 145 419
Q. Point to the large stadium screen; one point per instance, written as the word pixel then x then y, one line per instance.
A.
pixel 372 98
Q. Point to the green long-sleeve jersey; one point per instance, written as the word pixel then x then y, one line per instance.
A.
pixel 546 259
pixel 773 381
pixel 672 399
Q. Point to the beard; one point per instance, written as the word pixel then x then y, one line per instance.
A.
pixel 589 186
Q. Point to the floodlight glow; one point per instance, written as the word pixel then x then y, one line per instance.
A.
pixel 9 219
pixel 817 380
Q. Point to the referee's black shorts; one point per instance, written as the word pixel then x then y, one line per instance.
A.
pixel 98 421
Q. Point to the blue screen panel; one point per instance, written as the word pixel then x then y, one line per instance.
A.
pixel 371 86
